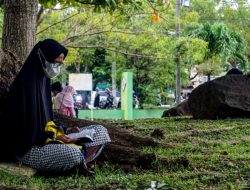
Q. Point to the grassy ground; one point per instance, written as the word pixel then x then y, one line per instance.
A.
pixel 218 152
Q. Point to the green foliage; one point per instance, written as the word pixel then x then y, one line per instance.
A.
pixel 218 38
pixel 192 52
pixel 127 27
pixel 93 61
pixel 141 45
pixel 149 38
pixel 222 43
pixel 143 41
pixel 211 66
pixel 192 49
pixel 238 56
pixel 235 19
pixel 149 74
pixel 112 5
pixel 101 68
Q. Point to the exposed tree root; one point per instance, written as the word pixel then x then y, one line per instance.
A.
pixel 125 148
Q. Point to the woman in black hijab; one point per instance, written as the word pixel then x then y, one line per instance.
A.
pixel 29 110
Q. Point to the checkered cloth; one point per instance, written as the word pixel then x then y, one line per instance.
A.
pixel 62 157
pixel 100 137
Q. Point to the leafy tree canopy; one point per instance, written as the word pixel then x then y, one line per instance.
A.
pixel 222 42
pixel 139 36
pixel 98 4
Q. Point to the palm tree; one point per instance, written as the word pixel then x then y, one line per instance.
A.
pixel 223 46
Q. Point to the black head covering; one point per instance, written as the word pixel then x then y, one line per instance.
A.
pixel 234 71
pixel 57 86
pixel 28 106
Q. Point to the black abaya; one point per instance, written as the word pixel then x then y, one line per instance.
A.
pixel 28 106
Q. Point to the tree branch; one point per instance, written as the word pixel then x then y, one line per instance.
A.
pixel 89 34
pixel 60 9
pixel 39 18
pixel 150 5
pixel 86 3
pixel 98 32
pixel 117 51
pixel 191 78
pixel 56 23
pixel 91 28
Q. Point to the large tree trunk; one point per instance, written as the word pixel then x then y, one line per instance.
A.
pixel 19 26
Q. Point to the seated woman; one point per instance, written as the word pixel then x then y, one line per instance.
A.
pixel 28 133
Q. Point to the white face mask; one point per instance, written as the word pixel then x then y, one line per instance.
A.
pixel 50 69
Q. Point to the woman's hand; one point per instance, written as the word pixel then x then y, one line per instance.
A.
pixel 73 130
pixel 66 139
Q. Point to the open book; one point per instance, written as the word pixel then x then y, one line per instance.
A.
pixel 85 135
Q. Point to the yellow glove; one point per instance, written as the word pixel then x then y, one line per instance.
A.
pixel 51 127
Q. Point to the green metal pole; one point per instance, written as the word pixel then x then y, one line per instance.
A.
pixel 127 95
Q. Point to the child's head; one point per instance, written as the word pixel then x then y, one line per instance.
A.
pixel 56 87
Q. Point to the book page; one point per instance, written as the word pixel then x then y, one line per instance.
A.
pixel 85 133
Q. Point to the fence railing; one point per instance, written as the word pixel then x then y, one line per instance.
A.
pixel 119 114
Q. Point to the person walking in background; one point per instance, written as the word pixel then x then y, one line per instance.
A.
pixel 234 71
pixel 74 99
pixel 110 98
pixel 64 101
pixel 97 98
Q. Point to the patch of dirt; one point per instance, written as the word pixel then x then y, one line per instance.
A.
pixel 158 134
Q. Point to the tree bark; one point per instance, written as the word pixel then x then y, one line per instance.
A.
pixel 9 68
pixel 19 26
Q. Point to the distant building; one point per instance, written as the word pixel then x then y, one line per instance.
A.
pixel 199 79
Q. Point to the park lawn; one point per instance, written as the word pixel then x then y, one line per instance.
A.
pixel 218 152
